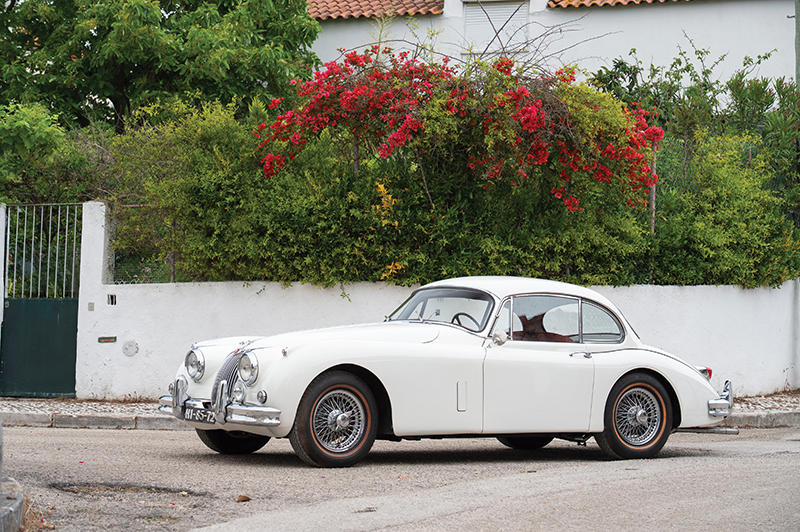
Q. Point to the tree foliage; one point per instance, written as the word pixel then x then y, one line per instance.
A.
pixel 95 60
pixel 726 225
pixel 384 170
pixel 41 161
pixel 687 98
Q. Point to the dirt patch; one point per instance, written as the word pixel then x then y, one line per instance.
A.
pixel 101 490
pixel 793 393
pixel 33 519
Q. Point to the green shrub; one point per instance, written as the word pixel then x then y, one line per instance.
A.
pixel 728 227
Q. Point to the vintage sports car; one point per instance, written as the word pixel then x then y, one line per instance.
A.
pixel 522 360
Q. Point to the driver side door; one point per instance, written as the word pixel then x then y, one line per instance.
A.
pixel 541 378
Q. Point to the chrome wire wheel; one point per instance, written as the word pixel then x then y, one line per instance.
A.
pixel 339 421
pixel 637 416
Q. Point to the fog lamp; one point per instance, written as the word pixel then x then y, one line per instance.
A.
pixel 238 392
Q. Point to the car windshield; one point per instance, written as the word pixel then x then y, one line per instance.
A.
pixel 464 307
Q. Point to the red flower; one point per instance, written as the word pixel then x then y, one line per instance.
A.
pixel 272 164
pixel 654 133
pixel 503 65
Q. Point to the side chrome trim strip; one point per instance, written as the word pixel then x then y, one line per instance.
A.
pixel 730 431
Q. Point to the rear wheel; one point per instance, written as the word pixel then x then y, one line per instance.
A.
pixel 638 418
pixel 232 442
pixel 525 443
pixel 336 421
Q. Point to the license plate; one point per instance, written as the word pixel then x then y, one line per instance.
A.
pixel 200 416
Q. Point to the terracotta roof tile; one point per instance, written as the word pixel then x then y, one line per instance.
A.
pixel 332 9
pixel 589 3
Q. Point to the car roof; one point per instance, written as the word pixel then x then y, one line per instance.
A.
pixel 503 286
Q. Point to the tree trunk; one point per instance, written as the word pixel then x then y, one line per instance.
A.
pixel 355 155
pixel 653 198
pixel 121 105
pixel 652 207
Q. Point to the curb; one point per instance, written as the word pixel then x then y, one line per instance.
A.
pixel 160 423
pixel 12 501
pixel 91 421
pixel 763 420
pixel 753 420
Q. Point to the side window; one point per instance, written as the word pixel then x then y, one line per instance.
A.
pixel 501 326
pixel 599 325
pixel 544 319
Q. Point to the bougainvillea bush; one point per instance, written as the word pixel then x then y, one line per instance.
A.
pixel 470 170
pixel 495 125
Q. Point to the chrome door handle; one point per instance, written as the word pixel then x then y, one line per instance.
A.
pixel 585 355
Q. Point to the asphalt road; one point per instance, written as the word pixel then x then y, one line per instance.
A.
pixel 134 479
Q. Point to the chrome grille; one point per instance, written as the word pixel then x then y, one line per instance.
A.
pixel 226 373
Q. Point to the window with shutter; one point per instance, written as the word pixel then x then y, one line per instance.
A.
pixel 498 25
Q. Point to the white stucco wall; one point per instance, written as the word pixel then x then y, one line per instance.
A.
pixel 737 28
pixel 749 336
pixel 164 319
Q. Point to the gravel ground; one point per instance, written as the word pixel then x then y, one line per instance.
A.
pixel 78 407
pixel 778 402
pixel 140 480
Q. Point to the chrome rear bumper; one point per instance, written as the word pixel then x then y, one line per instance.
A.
pixel 721 407
pixel 224 412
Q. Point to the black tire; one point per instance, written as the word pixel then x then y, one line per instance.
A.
pixel 525 443
pixel 232 442
pixel 335 437
pixel 637 418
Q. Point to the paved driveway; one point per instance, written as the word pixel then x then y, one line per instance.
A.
pixel 96 479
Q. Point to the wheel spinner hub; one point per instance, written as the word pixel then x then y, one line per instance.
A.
pixel 638 416
pixel 339 421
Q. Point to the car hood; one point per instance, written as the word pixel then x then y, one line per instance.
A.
pixel 394 331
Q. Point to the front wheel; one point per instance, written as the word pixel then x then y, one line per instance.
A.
pixel 336 421
pixel 232 442
pixel 638 418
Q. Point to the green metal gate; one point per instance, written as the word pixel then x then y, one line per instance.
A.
pixel 40 315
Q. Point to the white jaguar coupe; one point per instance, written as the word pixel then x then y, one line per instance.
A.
pixel 522 360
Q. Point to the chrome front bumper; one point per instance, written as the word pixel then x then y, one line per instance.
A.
pixel 225 411
pixel 721 407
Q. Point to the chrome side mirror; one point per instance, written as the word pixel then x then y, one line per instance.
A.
pixel 499 339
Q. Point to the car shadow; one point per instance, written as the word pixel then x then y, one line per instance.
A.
pixel 589 453
pixel 500 455
pixel 387 456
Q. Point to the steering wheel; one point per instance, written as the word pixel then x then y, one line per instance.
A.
pixel 457 320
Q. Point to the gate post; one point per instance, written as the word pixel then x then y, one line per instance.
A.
pixel 95 273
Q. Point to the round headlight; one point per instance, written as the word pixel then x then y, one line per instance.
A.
pixel 238 392
pixel 248 368
pixel 195 364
